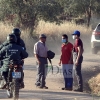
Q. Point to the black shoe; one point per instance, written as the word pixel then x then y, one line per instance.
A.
pixel 43 87
pixel 22 85
pixel 64 88
pixel 70 89
pixel 78 90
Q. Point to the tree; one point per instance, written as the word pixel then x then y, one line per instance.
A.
pixel 83 7
pixel 27 13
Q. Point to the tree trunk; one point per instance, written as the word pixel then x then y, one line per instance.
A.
pixel 31 32
pixel 88 20
pixel 32 28
pixel 88 16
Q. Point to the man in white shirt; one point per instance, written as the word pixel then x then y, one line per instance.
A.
pixel 40 51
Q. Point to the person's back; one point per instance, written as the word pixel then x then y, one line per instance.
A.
pixel 19 42
pixel 12 52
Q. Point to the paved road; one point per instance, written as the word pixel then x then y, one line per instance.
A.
pixel 54 82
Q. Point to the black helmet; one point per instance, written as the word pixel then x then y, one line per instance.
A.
pixel 11 38
pixel 16 31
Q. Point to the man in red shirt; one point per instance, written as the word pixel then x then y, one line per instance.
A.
pixel 67 62
pixel 78 58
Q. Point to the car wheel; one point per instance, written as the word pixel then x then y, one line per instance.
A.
pixel 94 51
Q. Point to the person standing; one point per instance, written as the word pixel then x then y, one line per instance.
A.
pixel 67 62
pixel 40 51
pixel 78 58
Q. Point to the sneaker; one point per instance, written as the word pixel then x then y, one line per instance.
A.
pixel 43 87
pixel 37 85
pixel 78 90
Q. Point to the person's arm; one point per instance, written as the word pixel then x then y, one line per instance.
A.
pixel 24 54
pixel 60 60
pixel 2 53
pixel 60 57
pixel 36 56
pixel 71 57
pixel 80 51
pixel 3 44
pixel 23 44
pixel 36 52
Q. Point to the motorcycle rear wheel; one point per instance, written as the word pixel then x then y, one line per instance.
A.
pixel 16 89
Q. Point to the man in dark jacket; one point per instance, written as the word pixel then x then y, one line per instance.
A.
pixel 11 52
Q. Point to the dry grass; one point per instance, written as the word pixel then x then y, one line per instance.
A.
pixel 94 84
pixel 52 30
pixel 47 28
pixel 66 27
pixel 4 31
pixel 54 33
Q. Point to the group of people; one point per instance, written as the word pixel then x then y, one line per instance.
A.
pixel 12 49
pixel 71 58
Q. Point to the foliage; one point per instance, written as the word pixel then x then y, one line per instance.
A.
pixel 27 13
pixel 83 7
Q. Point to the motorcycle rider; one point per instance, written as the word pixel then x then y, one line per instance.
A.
pixel 19 41
pixel 11 52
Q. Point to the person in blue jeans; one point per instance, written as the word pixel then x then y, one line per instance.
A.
pixel 67 62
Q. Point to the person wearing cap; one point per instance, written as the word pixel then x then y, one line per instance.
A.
pixel 78 58
pixel 40 51
pixel 67 62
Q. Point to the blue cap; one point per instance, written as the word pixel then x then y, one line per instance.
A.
pixel 76 33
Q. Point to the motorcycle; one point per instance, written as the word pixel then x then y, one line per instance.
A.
pixel 14 79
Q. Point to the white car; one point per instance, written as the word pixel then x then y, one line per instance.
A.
pixel 95 40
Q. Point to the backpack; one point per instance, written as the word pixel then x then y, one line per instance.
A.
pixel 50 54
